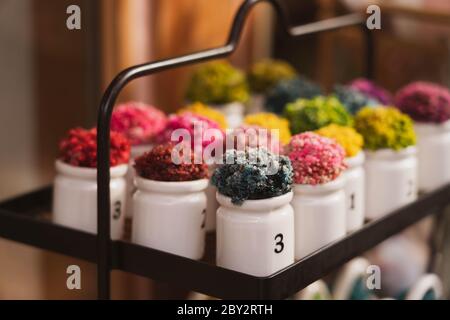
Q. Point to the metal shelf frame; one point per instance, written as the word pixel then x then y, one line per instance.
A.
pixel 126 76
pixel 25 218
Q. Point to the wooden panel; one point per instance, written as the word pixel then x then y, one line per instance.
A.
pixel 61 78
pixel 164 29
pixel 65 96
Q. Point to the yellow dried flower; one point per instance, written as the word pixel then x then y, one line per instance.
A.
pixel 271 121
pixel 347 137
pixel 201 109
pixel 265 74
pixel 385 128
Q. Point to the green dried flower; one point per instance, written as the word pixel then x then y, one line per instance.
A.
pixel 253 174
pixel 385 128
pixel 265 74
pixel 217 83
pixel 313 114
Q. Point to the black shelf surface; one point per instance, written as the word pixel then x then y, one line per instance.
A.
pixel 27 219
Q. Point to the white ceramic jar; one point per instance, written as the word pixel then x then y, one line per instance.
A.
pixel 136 151
pixel 320 215
pixel 428 283
pixel 256 238
pixel 211 204
pixel 348 277
pixel 211 208
pixel 170 216
pixel 391 180
pixel 234 113
pixel 354 191
pixel 256 104
pixel 433 142
pixel 75 198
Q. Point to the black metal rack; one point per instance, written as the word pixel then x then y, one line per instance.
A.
pixel 25 219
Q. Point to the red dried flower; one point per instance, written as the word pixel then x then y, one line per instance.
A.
pixel 79 148
pixel 159 165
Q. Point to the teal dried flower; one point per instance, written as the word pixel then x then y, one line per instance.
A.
pixel 217 83
pixel 290 90
pixel 265 74
pixel 352 99
pixel 253 174
pixel 309 115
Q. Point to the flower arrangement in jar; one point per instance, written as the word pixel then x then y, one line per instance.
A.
pixel 263 76
pixel 221 86
pixel 255 233
pixel 372 90
pixel 352 99
pixel 141 124
pixel 196 130
pixel 391 160
pixel 353 143
pixel 319 199
pixel 288 91
pixel 429 105
pixel 203 110
pixel 270 121
pixel 309 115
pixel 75 185
pixel 170 201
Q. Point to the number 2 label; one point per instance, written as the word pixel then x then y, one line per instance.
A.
pixel 117 210
pixel 352 202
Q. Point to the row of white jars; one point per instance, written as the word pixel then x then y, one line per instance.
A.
pixel 257 237
pixel 434 171
pixel 171 216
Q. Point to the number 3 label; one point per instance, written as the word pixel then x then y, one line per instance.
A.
pixel 117 210
pixel 279 245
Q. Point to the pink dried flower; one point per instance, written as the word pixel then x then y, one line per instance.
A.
pixel 315 159
pixel 372 90
pixel 139 122
pixel 196 127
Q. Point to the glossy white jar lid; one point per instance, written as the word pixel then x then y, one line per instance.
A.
pixel 424 128
pixel 390 154
pixel 171 186
pixel 88 173
pixel 256 205
pixel 328 187
pixel 356 161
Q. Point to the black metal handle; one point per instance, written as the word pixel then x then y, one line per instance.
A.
pixel 126 76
